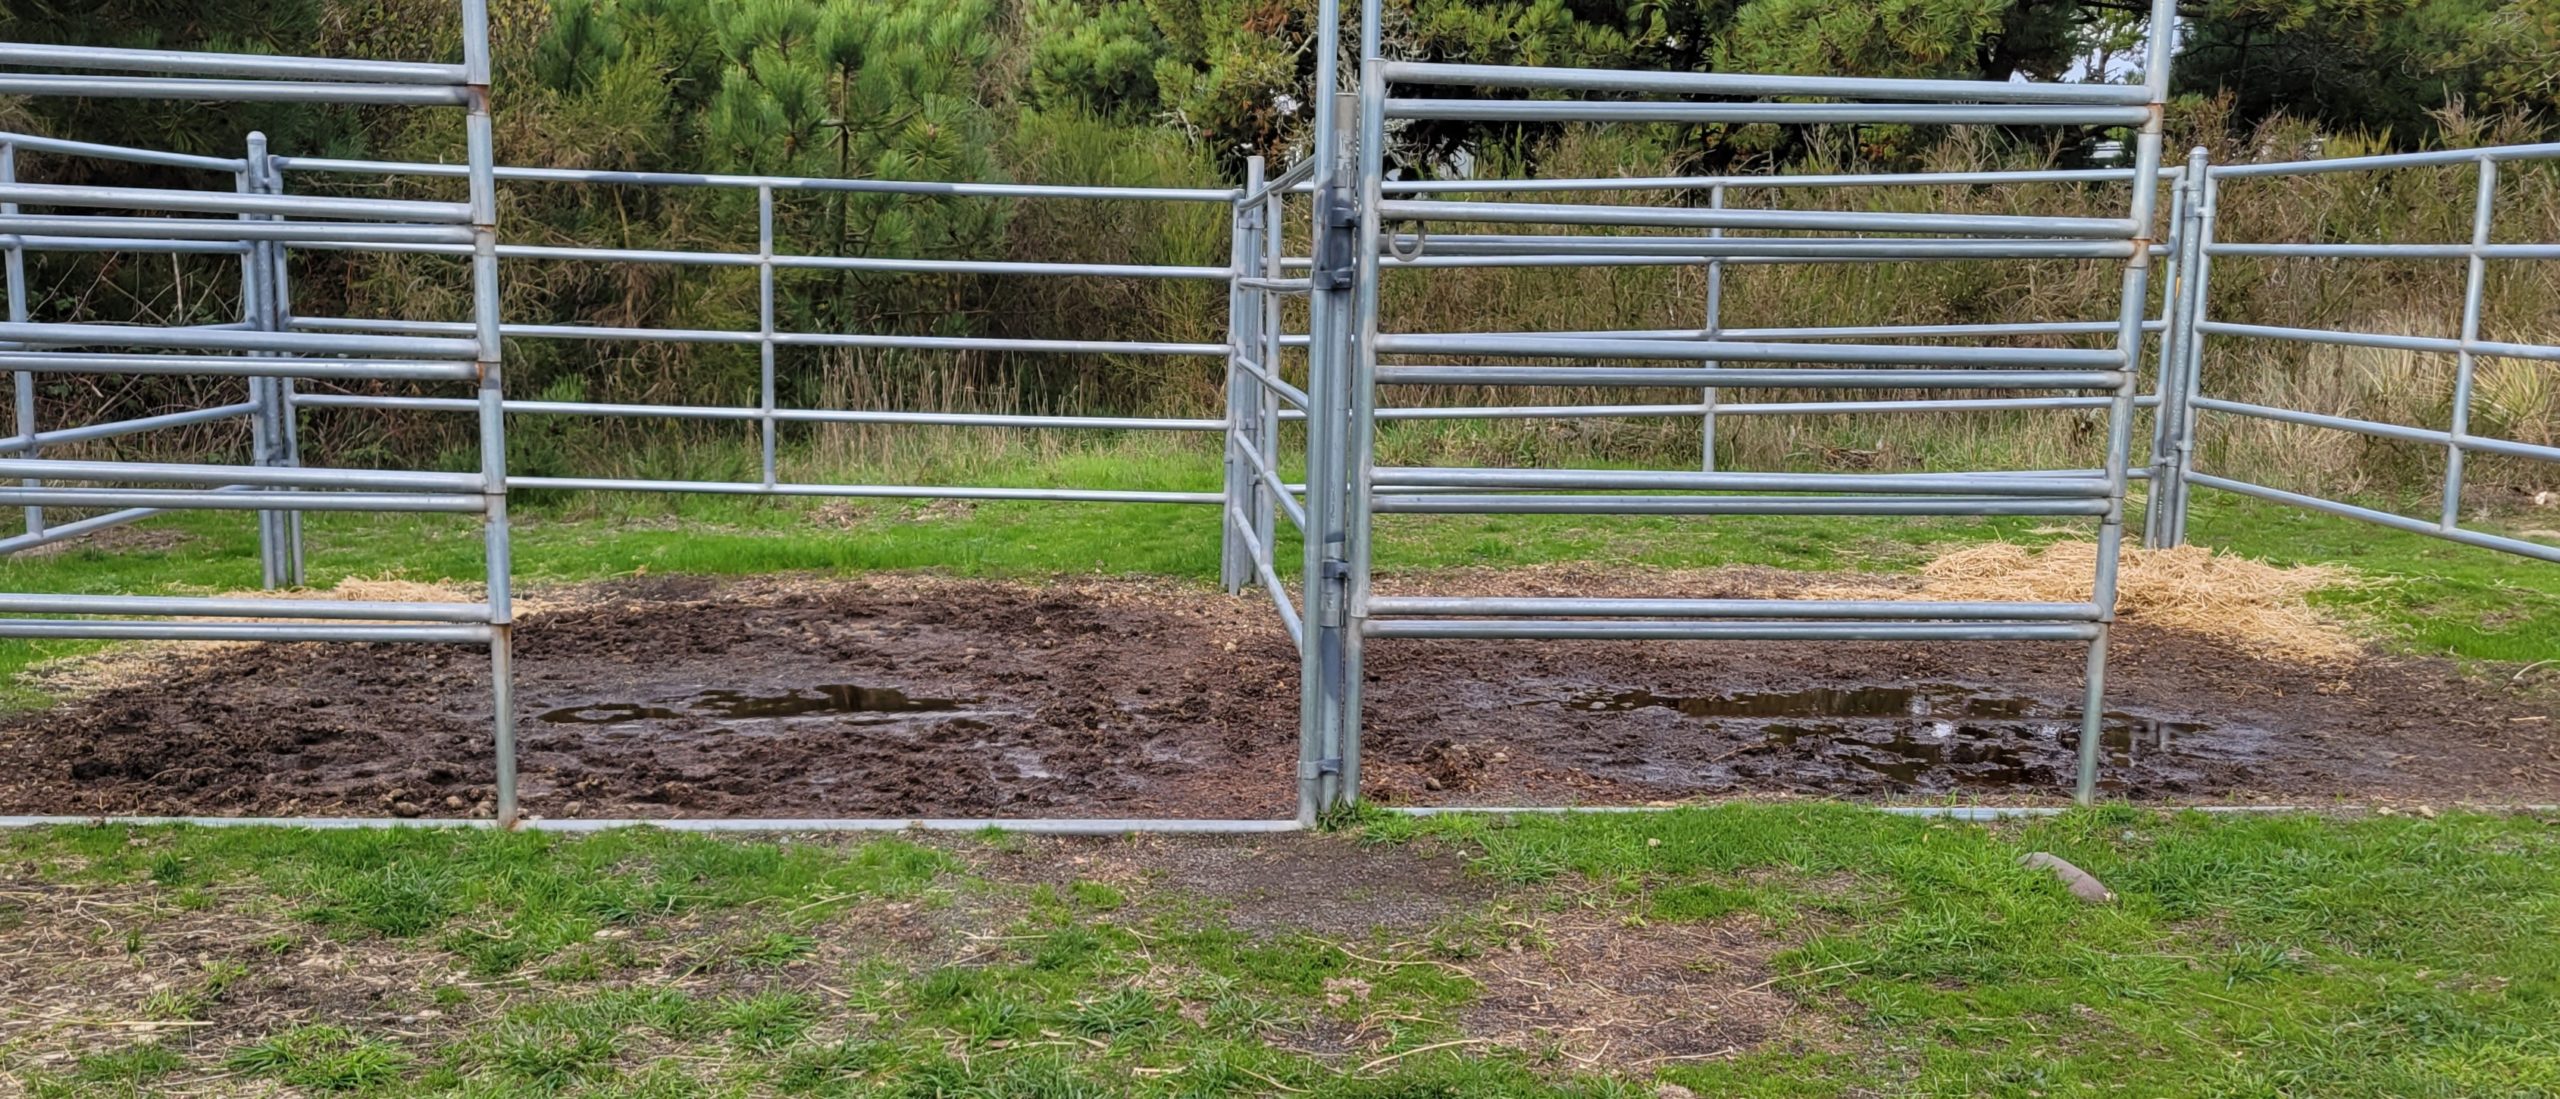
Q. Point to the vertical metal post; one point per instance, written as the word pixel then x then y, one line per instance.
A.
pixel 2484 204
pixel 257 310
pixel 1361 438
pixel 2168 489
pixel 479 144
pixel 1235 564
pixel 2172 279
pixel 1714 325
pixel 1269 238
pixel 764 329
pixel 2191 369
pixel 23 390
pixel 2120 411
pixel 288 438
pixel 1320 669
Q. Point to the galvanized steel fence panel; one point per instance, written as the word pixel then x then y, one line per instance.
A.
pixel 1361 226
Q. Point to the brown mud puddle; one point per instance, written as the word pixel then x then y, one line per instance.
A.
pixel 918 696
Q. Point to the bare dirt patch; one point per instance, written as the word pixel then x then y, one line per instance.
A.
pixel 1617 996
pixel 1322 885
pixel 895 696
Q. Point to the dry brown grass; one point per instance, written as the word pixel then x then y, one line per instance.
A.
pixel 2257 607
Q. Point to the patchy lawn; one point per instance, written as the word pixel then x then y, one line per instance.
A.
pixel 1742 950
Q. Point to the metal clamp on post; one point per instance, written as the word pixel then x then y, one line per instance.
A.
pixel 1334 247
pixel 1318 768
pixel 1336 573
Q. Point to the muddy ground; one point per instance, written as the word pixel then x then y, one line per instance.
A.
pixel 678 697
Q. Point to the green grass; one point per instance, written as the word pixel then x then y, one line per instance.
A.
pixel 2281 955
pixel 2255 956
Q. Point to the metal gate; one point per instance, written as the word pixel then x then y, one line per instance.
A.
pixel 1391 234
pixel 251 220
pixel 2184 365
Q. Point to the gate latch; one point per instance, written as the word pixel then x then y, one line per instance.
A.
pixel 1335 251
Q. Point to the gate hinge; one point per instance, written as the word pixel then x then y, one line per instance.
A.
pixel 1318 768
pixel 1336 250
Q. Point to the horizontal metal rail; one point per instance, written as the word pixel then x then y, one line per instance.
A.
pixel 2383 251
pixel 921 492
pixel 1573 607
pixel 1670 217
pixel 1719 350
pixel 1784 114
pixel 2437 158
pixel 1581 260
pixel 1038 826
pixel 779 183
pixel 1508 504
pixel 1533 629
pixel 267 66
pixel 2537 550
pixel 787 415
pixel 2316 419
pixel 228 202
pixel 116 429
pixel 51 628
pixel 55 469
pixel 2390 341
pixel 1748 182
pixel 313 233
pixel 2024 483
pixel 124 244
pixel 1972 813
pixel 1817 332
pixel 1777 408
pixel 1743 377
pixel 1404 248
pixel 63 532
pixel 95 151
pixel 216 607
pixel 1689 83
pixel 876 264
pixel 76 362
pixel 158 500
pixel 234 339
pixel 787 339
pixel 234 91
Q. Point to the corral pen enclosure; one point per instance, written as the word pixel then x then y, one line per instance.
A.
pixel 1324 677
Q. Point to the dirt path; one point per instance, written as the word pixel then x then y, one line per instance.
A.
pixel 676 697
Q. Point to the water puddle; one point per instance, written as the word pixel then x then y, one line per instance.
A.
pixel 1911 735
pixel 723 704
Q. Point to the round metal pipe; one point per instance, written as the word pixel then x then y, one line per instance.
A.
pixel 1530 629
pixel 1851 221
pixel 1755 84
pixel 779 183
pixel 448 634
pixel 1571 607
pixel 270 66
pixel 1722 350
pixel 231 91
pixel 1783 114
pixel 1455 504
